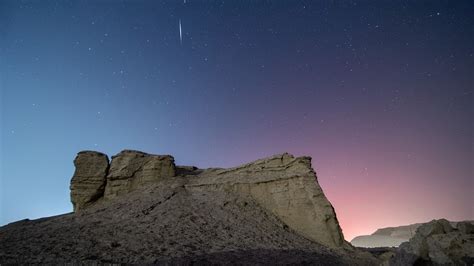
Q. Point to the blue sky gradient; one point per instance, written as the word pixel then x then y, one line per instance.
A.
pixel 379 93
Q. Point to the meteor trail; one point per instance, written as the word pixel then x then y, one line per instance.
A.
pixel 180 32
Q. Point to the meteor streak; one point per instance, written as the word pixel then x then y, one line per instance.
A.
pixel 180 32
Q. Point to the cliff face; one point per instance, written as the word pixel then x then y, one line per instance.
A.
pixel 282 185
pixel 287 187
pixel 131 169
pixel 88 182
pixel 143 209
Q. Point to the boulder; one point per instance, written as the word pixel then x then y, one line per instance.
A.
pixel 88 181
pixel 438 243
pixel 465 227
pixel 132 169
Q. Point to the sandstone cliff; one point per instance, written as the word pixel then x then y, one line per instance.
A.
pixel 88 182
pixel 132 169
pixel 141 208
pixel 287 187
pixel 282 184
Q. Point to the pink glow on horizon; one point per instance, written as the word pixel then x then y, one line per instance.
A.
pixel 383 196
pixel 380 180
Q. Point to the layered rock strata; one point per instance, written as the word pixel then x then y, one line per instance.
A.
pixel 287 187
pixel 88 182
pixel 132 169
pixel 283 185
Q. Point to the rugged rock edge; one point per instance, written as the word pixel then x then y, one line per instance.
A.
pixel 282 184
pixel 438 243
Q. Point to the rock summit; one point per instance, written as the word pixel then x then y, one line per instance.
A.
pixel 281 184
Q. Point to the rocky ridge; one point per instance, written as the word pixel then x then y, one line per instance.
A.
pixel 386 237
pixel 389 236
pixel 282 184
pixel 142 208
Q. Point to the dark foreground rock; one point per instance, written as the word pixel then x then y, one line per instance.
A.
pixel 259 257
pixel 142 209
pixel 438 243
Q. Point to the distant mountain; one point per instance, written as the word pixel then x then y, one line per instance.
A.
pixel 389 236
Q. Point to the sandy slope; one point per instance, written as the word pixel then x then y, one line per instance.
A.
pixel 167 224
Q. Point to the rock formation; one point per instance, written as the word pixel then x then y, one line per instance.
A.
pixel 282 184
pixel 132 169
pixel 287 187
pixel 144 209
pixel 438 243
pixel 88 182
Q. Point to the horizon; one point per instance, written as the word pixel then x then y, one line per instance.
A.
pixel 378 94
pixel 347 238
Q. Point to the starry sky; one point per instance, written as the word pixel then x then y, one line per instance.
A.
pixel 379 93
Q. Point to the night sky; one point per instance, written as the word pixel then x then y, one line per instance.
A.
pixel 379 93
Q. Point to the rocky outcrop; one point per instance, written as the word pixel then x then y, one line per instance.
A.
pixel 167 224
pixel 282 184
pixel 89 179
pixel 285 186
pixel 438 243
pixel 94 179
pixel 142 209
pixel 132 169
